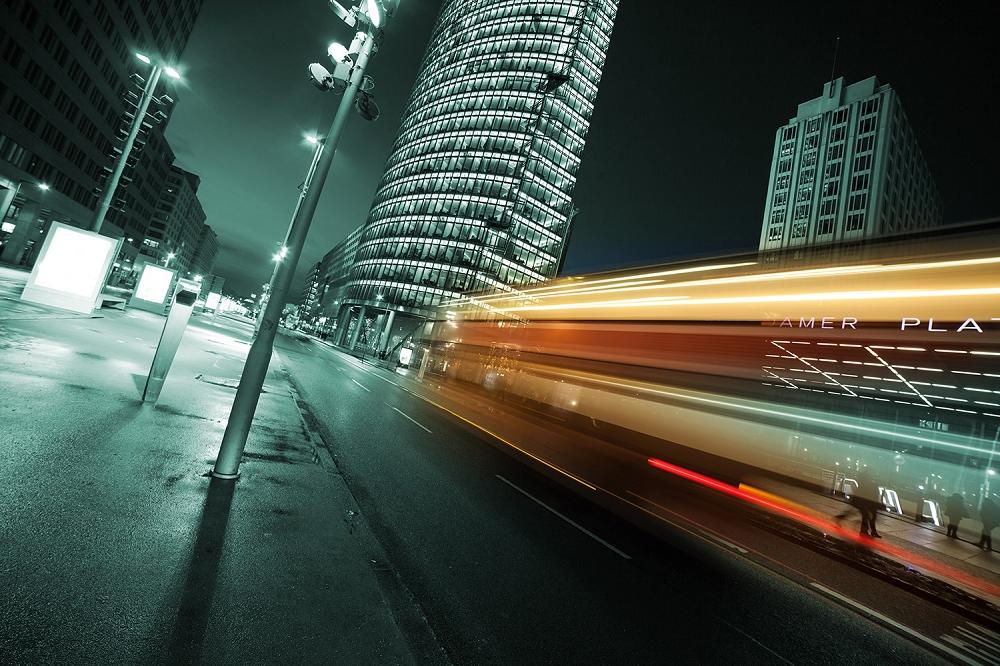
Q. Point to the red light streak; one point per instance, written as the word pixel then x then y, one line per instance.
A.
pixel 828 527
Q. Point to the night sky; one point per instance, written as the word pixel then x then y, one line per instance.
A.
pixel 677 158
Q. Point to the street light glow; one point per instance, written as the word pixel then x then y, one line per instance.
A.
pixel 312 138
pixel 172 73
pixel 337 51
pixel 44 187
pixel 374 14
pixel 143 57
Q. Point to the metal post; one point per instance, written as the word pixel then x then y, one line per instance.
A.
pixel 108 195
pixel 234 440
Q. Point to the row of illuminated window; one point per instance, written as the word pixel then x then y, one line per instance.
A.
pixel 509 62
pixel 462 229
pixel 473 102
pixel 467 18
pixel 477 162
pixel 453 182
pixel 501 82
pixel 487 273
pixel 494 45
pixel 499 121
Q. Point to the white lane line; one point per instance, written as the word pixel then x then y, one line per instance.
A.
pixel 568 520
pixel 407 416
pixel 901 627
pixel 489 432
pixel 360 384
pixel 701 532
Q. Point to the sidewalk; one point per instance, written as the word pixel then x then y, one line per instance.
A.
pixel 116 546
pixel 922 539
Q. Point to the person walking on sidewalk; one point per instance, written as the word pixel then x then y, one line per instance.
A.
pixel 954 508
pixel 989 515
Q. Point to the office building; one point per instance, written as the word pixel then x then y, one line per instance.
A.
pixel 477 192
pixel 67 71
pixel 847 168
pixel 174 234
pixel 203 262
pixel 326 288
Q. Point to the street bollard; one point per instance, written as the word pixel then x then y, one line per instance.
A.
pixel 170 339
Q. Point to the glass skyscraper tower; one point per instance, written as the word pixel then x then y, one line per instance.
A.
pixel 477 191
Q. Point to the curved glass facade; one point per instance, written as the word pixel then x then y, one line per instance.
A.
pixel 477 191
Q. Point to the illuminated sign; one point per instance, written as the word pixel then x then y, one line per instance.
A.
pixel 71 269
pixel 212 302
pixel 830 323
pixel 153 289
pixel 405 355
pixel 154 284
pixel 8 227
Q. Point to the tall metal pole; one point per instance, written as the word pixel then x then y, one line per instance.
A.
pixel 234 440
pixel 140 113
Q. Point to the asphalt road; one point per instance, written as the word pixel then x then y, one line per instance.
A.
pixel 508 566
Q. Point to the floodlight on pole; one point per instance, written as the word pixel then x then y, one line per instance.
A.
pixel 44 187
pixel 172 73
pixel 144 58
pixel 337 51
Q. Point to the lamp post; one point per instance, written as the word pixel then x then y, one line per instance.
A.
pixel 108 195
pixel 368 21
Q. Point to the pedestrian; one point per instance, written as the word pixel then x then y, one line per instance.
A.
pixel 954 508
pixel 989 515
pixel 866 500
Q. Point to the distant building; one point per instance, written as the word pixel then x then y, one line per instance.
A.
pixel 333 274
pixel 203 262
pixel 847 168
pixel 478 190
pixel 309 300
pixel 66 70
pixel 177 224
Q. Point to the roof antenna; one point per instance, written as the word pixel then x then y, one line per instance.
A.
pixel 833 70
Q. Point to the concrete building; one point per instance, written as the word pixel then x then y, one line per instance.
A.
pixel 67 70
pixel 334 275
pixel 847 167
pixel 203 262
pixel 477 191
pixel 178 222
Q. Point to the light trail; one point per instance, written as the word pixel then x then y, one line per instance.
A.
pixel 791 510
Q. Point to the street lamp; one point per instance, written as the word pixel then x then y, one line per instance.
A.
pixel 368 21
pixel 108 195
pixel 166 262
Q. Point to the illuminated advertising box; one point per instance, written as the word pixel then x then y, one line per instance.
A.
pixel 212 302
pixel 71 270
pixel 152 291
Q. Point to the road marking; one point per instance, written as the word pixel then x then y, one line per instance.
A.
pixel 568 520
pixel 980 642
pixel 360 384
pixel 406 416
pixel 483 429
pixel 896 625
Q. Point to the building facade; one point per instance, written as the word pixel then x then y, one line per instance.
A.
pixel 477 191
pixel 178 223
pixel 847 168
pixel 203 262
pixel 67 73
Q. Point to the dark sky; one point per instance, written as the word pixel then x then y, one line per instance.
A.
pixel 677 158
